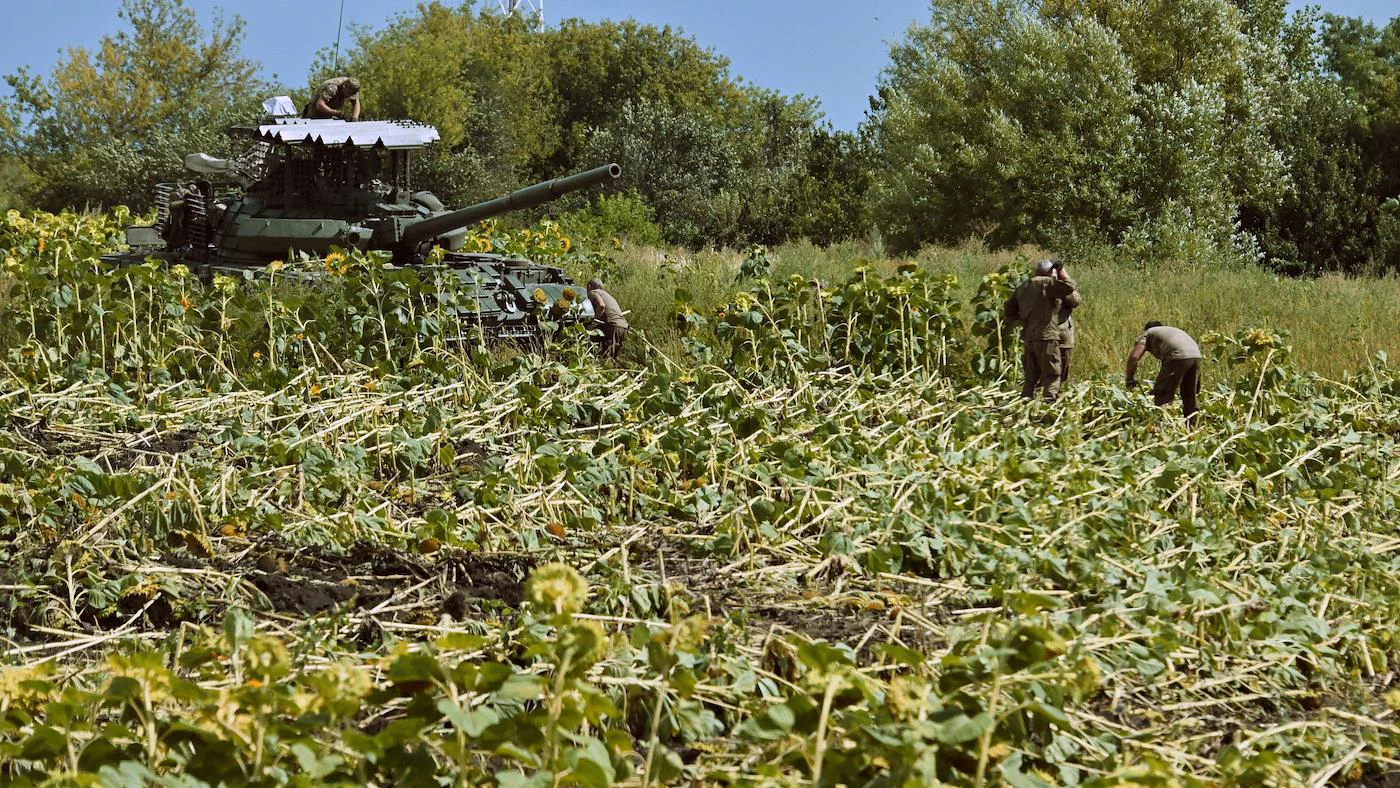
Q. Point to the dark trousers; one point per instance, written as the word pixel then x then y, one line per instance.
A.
pixel 1182 375
pixel 1040 360
pixel 1064 364
pixel 610 345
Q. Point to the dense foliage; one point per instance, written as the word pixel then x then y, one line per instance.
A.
pixel 346 549
pixel 719 162
pixel 1173 130
pixel 105 126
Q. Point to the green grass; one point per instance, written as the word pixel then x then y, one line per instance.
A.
pixel 1337 324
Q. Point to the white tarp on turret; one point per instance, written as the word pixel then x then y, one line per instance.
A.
pixel 280 105
pixel 360 134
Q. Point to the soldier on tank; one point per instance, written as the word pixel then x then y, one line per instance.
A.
pixel 610 319
pixel 1036 304
pixel 1181 365
pixel 331 98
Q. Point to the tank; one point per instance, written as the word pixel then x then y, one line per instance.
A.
pixel 310 186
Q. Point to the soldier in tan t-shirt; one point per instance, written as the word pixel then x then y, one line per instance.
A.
pixel 1036 304
pixel 334 94
pixel 1181 365
pixel 609 318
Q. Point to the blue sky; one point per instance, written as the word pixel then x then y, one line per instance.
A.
pixel 825 49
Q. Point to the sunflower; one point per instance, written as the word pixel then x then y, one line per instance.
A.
pixel 335 263
pixel 556 588
pixel 1259 338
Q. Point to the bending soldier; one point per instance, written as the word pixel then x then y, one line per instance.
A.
pixel 1181 365
pixel 332 96
pixel 609 318
pixel 1036 304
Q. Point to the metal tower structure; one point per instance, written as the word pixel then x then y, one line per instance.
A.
pixel 526 8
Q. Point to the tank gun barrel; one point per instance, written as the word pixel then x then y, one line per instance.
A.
pixel 527 197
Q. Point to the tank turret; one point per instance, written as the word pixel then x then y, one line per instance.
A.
pixel 307 186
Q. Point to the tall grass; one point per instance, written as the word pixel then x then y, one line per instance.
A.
pixel 1337 324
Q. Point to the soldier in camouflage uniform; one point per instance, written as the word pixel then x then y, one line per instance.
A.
pixel 1036 304
pixel 1181 365
pixel 1066 321
pixel 332 96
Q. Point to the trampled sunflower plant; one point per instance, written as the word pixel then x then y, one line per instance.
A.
pixel 279 529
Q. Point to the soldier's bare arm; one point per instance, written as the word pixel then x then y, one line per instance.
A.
pixel 1134 356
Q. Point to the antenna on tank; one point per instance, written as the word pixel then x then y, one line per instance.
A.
pixel 526 8
pixel 340 23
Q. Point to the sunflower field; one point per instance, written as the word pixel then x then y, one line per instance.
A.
pixel 290 529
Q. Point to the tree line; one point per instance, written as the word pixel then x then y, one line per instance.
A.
pixel 1196 130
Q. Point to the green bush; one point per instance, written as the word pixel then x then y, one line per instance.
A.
pixel 624 216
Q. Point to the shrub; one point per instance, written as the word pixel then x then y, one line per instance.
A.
pixel 623 216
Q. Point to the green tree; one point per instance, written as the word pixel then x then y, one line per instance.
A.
pixel 1327 219
pixel 1338 136
pixel 834 197
pixel 599 67
pixel 994 121
pixel 104 126
pixel 684 166
pixel 479 77
pixel 1066 122
pixel 717 161
pixel 621 216
pixel 775 133
pixel 1365 60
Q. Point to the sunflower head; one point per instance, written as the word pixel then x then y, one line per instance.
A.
pixel 556 589
pixel 1258 338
